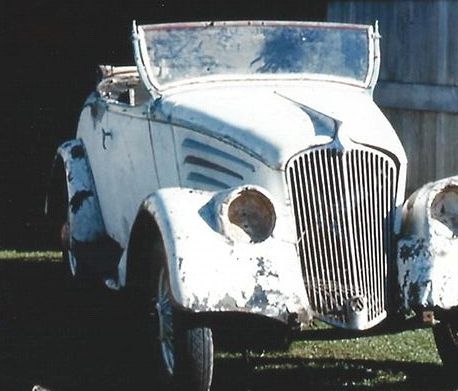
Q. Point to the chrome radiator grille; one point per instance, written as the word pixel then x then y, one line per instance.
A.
pixel 343 203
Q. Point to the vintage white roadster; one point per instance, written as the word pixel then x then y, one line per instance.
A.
pixel 241 178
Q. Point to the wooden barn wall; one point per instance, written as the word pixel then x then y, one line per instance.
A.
pixel 418 81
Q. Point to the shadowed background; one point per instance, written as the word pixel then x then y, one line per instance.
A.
pixel 50 50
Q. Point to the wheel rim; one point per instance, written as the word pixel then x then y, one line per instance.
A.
pixel 72 263
pixel 164 312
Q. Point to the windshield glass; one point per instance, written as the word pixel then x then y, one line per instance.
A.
pixel 185 52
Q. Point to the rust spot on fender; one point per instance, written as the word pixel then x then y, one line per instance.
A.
pixel 444 208
pixel 77 152
pixel 78 198
pixel 412 251
pixel 258 298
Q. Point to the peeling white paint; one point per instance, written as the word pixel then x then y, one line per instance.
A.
pixel 82 196
pixel 209 272
pixel 428 248
pixel 88 244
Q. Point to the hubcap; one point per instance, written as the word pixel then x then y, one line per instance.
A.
pixel 164 312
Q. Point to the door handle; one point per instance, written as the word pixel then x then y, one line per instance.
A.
pixel 106 134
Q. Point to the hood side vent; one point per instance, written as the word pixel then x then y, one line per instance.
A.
pixel 206 181
pixel 208 150
pixel 209 168
pixel 197 161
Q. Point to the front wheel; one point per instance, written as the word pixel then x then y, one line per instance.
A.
pixel 446 337
pixel 186 353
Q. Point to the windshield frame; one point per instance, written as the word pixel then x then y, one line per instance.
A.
pixel 151 82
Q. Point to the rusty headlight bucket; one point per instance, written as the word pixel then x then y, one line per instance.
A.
pixel 247 214
pixel 444 209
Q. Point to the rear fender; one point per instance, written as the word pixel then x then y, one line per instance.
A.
pixel 88 245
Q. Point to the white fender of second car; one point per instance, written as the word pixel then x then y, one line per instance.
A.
pixel 213 266
pixel 427 254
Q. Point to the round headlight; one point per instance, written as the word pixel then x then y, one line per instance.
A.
pixel 251 214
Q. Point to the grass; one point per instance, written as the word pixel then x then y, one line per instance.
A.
pixel 41 315
pixel 409 346
pixel 30 256
pixel 404 361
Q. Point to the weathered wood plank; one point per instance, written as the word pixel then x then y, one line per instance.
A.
pixel 416 130
pixel 418 43
pixel 424 97
pixel 418 88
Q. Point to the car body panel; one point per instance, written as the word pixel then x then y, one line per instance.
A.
pixel 428 247
pixel 211 272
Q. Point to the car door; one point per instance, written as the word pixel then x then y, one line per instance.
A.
pixel 126 172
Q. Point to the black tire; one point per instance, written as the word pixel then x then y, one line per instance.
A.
pixel 446 337
pixel 185 354
pixel 194 359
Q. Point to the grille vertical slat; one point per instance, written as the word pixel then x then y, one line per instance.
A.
pixel 371 220
pixel 297 204
pixel 343 203
pixel 367 226
pixel 381 214
pixel 378 223
pixel 342 246
pixel 312 253
pixel 360 244
pixel 385 203
pixel 322 271
pixel 354 222
pixel 304 245
pixel 329 233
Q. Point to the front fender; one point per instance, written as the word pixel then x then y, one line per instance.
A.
pixel 210 272
pixel 427 254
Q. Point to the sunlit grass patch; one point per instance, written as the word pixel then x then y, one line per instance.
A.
pixel 404 361
pixel 30 256
pixel 417 346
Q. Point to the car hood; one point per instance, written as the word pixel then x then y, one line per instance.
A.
pixel 273 123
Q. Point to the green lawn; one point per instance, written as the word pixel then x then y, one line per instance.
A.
pixel 404 361
pixel 31 281
pixel 30 256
